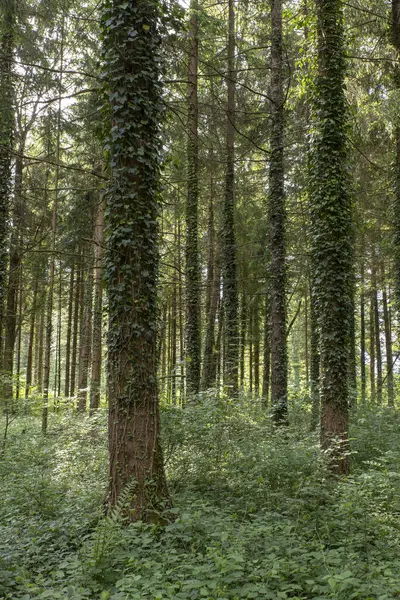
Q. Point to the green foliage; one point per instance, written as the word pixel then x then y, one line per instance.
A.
pixel 257 515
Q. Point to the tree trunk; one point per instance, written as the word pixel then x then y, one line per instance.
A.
pixel 75 330
pixel 10 316
pixel 29 362
pixel 6 142
pixel 243 327
pixel 69 332
pixel 136 461
pixel 379 379
pixel 331 214
pixel 388 340
pixel 85 350
pixel 362 335
pixel 256 341
pixel 396 204
pixel 267 350
pixel 95 383
pixel 193 276
pixel 229 259
pixel 277 220
pixel 372 348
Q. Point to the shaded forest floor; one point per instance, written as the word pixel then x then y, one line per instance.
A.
pixel 257 515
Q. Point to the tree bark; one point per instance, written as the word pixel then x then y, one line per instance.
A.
pixel 69 332
pixel 388 340
pixel 277 221
pixel 331 218
pixel 135 455
pixel 6 142
pixel 229 259
pixel 95 383
pixel 362 336
pixel 193 276
pixel 77 303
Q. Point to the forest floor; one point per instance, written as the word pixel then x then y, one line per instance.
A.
pixel 257 514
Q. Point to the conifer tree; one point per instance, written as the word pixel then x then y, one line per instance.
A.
pixel 131 50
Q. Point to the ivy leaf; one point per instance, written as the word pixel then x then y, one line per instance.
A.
pixel 146 27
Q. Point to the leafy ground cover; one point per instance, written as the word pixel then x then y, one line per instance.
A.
pixel 257 515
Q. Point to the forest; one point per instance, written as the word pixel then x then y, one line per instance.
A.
pixel 199 299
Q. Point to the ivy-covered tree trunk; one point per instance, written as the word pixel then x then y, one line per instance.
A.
pixel 133 82
pixel 193 280
pixel 277 220
pixel 331 213
pixel 7 24
pixel 229 259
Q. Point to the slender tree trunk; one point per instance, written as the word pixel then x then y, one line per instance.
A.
pixel 362 336
pixel 77 303
pixel 11 311
pixel 95 383
pixel 193 277
pixel 229 259
pixel 29 362
pixel 388 340
pixel 85 350
pixel 267 350
pixel 19 339
pixel 352 375
pixel 69 332
pixel 40 355
pixel 49 315
pixel 306 339
pixel 135 455
pixel 256 339
pixel 243 327
pixel 372 348
pixel 210 290
pixel 251 351
pixel 379 379
pixel 314 365
pixel 277 220
pixel 331 213
pixel 396 204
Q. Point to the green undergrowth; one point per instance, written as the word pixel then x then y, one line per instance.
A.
pixel 257 516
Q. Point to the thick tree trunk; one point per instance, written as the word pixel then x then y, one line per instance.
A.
pixel 331 217
pixel 229 259
pixel 277 220
pixel 136 461
pixel 95 383
pixel 193 276
pixel 6 144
